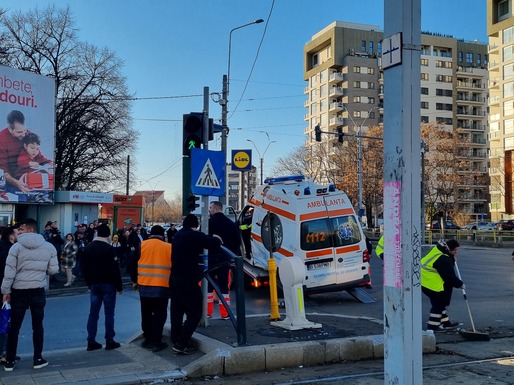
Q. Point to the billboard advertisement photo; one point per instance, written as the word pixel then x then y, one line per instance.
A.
pixel 27 137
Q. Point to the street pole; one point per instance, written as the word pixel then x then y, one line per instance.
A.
pixel 261 156
pixel 224 103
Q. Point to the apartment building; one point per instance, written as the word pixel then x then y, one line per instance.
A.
pixel 500 29
pixel 342 65
pixel 241 186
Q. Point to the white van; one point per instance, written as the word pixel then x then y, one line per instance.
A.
pixel 292 216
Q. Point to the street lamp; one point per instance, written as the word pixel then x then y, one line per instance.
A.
pixel 225 91
pixel 261 156
pixel 359 156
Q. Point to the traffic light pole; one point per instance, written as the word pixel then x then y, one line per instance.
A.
pixel 205 209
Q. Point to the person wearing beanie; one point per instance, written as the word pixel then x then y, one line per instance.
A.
pixel 153 275
pixel 186 273
pixel 438 279
pixel 102 275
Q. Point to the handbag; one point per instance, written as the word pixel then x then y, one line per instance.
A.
pixel 5 317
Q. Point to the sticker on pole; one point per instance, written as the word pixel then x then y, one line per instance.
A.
pixel 207 172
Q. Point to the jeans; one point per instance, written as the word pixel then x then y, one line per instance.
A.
pixel 104 293
pixel 21 300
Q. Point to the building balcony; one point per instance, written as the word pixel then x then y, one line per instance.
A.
pixel 306 90
pixel 469 112
pixel 336 91
pixel 493 65
pixel 336 107
pixel 494 100
pixel 470 85
pixel 470 98
pixel 492 48
pixel 335 121
pixel 470 72
pixel 335 77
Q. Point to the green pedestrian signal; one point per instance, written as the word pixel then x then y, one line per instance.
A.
pixel 192 131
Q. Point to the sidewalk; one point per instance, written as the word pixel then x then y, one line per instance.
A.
pixel 340 339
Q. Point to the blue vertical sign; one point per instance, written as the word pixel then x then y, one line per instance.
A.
pixel 207 172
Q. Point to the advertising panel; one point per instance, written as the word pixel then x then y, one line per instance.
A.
pixel 27 137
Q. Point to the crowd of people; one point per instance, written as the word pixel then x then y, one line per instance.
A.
pixel 163 266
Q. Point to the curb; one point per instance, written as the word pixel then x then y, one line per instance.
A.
pixel 228 360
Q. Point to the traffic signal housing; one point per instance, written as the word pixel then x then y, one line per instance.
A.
pixel 191 202
pixel 192 131
pixel 340 134
pixel 317 133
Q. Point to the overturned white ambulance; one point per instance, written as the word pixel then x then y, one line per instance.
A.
pixel 292 216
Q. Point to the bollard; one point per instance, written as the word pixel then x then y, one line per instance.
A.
pixel 292 275
pixel 272 271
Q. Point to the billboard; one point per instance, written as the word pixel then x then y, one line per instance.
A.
pixel 27 137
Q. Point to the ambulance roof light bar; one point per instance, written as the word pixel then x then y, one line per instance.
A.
pixel 282 179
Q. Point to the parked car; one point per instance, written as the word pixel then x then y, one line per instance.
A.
pixel 476 226
pixel 505 225
pixel 448 225
pixel 491 226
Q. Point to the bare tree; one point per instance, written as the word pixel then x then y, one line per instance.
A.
pixel 93 133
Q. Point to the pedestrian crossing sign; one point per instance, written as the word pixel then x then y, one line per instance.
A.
pixel 207 172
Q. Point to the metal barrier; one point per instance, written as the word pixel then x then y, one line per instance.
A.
pixel 238 321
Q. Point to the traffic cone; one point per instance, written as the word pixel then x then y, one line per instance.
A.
pixel 210 304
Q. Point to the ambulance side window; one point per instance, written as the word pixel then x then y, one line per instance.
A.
pixel 315 234
pixel 346 231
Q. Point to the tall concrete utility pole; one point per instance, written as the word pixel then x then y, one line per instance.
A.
pixel 401 60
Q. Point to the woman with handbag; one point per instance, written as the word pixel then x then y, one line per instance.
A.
pixel 69 258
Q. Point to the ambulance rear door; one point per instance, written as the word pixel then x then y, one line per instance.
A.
pixel 331 238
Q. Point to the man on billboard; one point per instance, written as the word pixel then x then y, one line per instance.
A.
pixel 11 144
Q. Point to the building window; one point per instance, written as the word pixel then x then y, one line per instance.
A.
pixel 356 114
pixel 443 92
pixel 371 85
pixel 315 60
pixel 323 76
pixel 424 76
pixel 356 84
pixel 469 57
pixel 461 56
pixel 508 35
pixel 357 69
pixel 435 52
pixel 424 62
pixel 503 9
pixel 322 105
pixel 370 47
pixel 443 78
pixel 323 91
pixel 363 45
pixel 314 108
pixel 379 47
pixel 508 52
pixel 371 100
pixel 424 119
pixel 356 99
pixel 424 90
pixel 314 94
pixel 371 71
pixel 424 105
pixel 479 58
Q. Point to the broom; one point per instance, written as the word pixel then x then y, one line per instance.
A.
pixel 467 334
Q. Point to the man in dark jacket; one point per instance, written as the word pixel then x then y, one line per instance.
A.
pixel 227 230
pixel 102 275
pixel 438 279
pixel 186 273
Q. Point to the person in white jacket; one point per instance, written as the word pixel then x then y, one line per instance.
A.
pixel 29 262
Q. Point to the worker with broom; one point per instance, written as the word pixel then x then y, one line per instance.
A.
pixel 438 279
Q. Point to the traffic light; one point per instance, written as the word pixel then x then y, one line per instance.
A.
pixel 340 134
pixel 192 125
pixel 191 202
pixel 317 133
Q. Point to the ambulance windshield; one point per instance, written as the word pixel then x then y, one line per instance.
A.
pixel 330 232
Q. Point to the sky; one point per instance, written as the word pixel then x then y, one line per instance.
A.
pixel 172 49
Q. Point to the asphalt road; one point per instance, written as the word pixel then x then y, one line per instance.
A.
pixel 487 272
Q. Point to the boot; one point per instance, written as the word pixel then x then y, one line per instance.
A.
pixel 69 278
pixel 223 310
